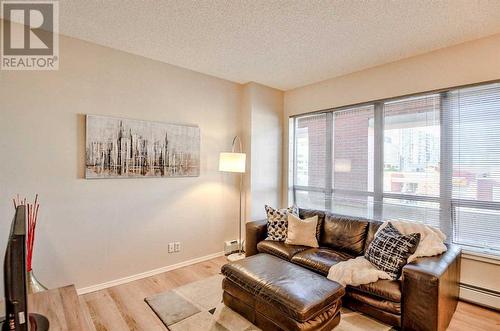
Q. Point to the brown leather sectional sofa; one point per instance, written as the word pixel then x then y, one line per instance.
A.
pixel 424 298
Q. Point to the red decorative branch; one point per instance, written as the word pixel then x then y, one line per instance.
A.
pixel 32 209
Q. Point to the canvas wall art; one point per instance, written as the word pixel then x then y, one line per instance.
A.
pixel 124 148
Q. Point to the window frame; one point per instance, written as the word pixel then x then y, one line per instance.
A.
pixel 448 204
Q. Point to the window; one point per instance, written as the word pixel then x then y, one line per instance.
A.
pixel 310 175
pixel 475 183
pixel 352 162
pixel 412 146
pixel 433 158
pixel 310 151
pixel 411 175
pixel 333 161
pixel 353 149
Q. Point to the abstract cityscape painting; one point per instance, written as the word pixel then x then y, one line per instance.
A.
pixel 125 148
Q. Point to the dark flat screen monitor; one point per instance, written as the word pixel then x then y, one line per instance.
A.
pixel 16 299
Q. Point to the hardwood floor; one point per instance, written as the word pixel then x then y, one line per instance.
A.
pixel 470 317
pixel 122 307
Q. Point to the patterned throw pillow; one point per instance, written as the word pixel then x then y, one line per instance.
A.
pixel 277 222
pixel 390 250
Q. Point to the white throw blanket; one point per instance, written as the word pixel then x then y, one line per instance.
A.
pixel 356 272
pixel 360 271
pixel 431 239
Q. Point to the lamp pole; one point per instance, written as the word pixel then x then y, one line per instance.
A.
pixel 237 138
pixel 235 162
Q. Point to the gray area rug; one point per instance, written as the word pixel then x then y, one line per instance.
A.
pixel 198 306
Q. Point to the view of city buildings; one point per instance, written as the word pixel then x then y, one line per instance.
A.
pixel 412 146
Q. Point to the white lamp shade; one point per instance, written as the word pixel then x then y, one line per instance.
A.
pixel 232 162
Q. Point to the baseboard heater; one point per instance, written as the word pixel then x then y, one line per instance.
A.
pixel 232 246
pixel 480 296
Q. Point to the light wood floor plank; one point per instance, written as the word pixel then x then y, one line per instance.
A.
pixel 136 313
pixel 123 308
pixel 474 318
pixel 86 313
pixel 104 312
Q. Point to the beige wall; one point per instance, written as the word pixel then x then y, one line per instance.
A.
pixel 468 63
pixel 94 231
pixel 262 109
pixel 246 132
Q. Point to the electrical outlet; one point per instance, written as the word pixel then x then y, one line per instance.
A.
pixel 171 247
pixel 177 246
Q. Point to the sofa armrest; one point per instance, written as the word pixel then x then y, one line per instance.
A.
pixel 256 231
pixel 430 291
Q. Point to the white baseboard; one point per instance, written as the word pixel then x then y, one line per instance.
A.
pixel 149 273
pixel 480 297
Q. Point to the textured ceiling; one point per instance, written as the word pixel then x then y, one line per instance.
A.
pixel 283 44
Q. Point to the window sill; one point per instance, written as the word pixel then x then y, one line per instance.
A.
pixel 480 255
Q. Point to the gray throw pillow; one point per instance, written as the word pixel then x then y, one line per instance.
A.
pixel 390 250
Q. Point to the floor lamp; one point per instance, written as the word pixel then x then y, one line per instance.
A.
pixel 235 162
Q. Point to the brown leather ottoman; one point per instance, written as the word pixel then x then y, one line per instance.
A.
pixel 274 294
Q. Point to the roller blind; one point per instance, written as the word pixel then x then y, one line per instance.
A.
pixel 432 158
pixel 475 136
pixel 353 149
pixel 310 160
pixel 352 161
pixel 411 176
pixel 333 161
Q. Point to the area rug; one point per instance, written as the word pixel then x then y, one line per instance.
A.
pixel 198 306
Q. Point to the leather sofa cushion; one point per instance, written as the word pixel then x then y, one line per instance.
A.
pixel 383 289
pixel 372 229
pixel 320 259
pixel 268 277
pixel 279 249
pixel 385 305
pixel 343 233
pixel 382 315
